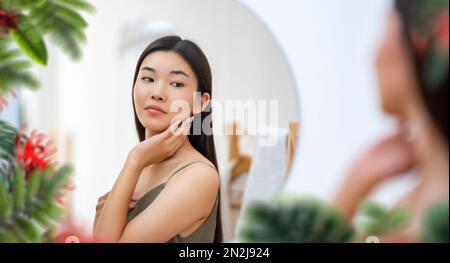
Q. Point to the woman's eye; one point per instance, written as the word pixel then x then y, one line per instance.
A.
pixel 148 79
pixel 177 84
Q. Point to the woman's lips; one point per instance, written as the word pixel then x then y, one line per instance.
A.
pixel 155 110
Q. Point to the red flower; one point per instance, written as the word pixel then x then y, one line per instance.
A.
pixel 442 31
pixel 32 154
pixel 8 20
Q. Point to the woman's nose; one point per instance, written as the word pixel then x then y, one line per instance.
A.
pixel 158 93
pixel 157 97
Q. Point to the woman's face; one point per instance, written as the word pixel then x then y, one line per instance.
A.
pixel 166 82
pixel 395 70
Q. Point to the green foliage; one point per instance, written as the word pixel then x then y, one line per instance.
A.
pixel 289 219
pixel 28 210
pixel 59 19
pixel 7 136
pixel 7 152
pixel 29 40
pixel 435 223
pixel 27 207
pixel 14 68
pixel 62 21
pixel 294 220
pixel 375 219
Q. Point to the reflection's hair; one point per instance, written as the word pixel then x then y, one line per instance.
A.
pixel 197 60
pixel 420 16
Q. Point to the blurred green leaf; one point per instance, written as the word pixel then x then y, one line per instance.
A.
pixel 5 203
pixel 294 220
pixel 435 223
pixel 30 41
pixel 18 190
pixel 77 4
pixel 14 69
pixel 374 219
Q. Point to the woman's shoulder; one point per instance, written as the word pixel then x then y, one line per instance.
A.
pixel 197 182
pixel 197 172
pixel 198 168
pixel 195 157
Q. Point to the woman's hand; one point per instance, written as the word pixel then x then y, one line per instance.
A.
pixel 101 203
pixel 390 157
pixel 99 206
pixel 161 146
pixel 113 208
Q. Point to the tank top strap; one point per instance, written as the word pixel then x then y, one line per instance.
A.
pixel 186 165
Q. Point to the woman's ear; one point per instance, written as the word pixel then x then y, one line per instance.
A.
pixel 205 99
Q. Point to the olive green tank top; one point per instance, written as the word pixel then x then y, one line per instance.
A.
pixel 204 234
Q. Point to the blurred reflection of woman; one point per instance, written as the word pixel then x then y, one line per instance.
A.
pixel 412 65
pixel 168 189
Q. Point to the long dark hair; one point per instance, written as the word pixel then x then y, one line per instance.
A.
pixel 418 15
pixel 197 60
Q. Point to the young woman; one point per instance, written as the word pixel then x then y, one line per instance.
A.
pixel 168 189
pixel 412 65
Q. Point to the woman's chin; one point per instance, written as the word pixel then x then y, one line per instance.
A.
pixel 156 127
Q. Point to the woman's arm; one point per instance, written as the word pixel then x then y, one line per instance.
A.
pixel 112 218
pixel 187 198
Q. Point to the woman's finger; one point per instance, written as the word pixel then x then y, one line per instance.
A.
pixel 171 130
pixel 103 196
pixel 101 201
pixel 188 126
pixel 177 130
pixel 175 126
pixel 170 135
pixel 178 142
pixel 132 204
pixel 99 206
pixel 386 159
pixel 389 157
pixel 184 128
pixel 178 138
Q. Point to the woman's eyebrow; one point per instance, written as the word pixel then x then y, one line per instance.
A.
pixel 148 69
pixel 179 72
pixel 175 72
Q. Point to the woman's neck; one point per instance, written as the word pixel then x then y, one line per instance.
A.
pixel 431 149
